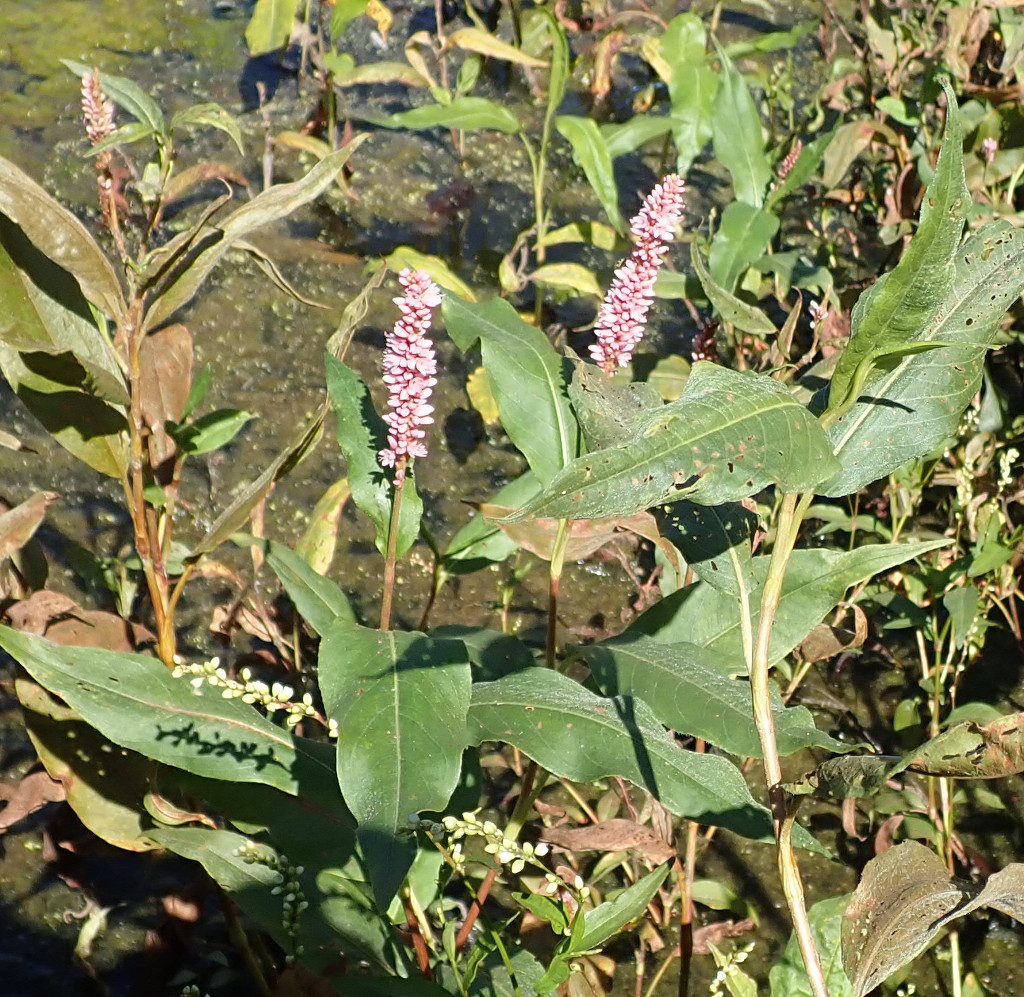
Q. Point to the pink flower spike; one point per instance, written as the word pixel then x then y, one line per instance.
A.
pixel 409 368
pixel 97 111
pixel 623 315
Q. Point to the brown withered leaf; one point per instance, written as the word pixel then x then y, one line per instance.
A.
pixel 18 525
pixel 612 836
pixel 586 536
pixel 165 358
pixel 24 798
pixel 192 176
pixel 60 619
pixel 34 614
pixel 714 934
pixel 826 641
pixel 974 751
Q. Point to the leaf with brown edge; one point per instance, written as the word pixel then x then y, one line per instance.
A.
pixel 25 797
pixel 165 358
pixel 61 237
pixel 612 836
pixel 19 524
pixel 974 751
pixel 905 898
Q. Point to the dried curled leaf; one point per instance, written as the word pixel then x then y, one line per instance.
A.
pixel 905 898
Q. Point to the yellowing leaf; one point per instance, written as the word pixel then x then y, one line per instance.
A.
pixel 475 40
pixel 481 397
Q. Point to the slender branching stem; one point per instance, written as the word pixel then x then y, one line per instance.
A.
pixel 391 557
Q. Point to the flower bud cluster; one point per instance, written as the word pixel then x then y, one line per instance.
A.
pixel 730 967
pixel 505 850
pixel 287 887
pixel 276 697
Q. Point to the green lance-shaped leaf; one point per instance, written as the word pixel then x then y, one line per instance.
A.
pixel 526 376
pixel 270 26
pixel 686 689
pixel 580 736
pixel 907 412
pixel 463 113
pixel 692 86
pixel 61 237
pixel 209 116
pixel 55 358
pixel 815 582
pixel 742 237
pixel 319 600
pixel 728 436
pixel 729 307
pixel 606 919
pixel 788 977
pixel 127 94
pixel 736 134
pixel 804 167
pixel 178 286
pixel 899 305
pixel 136 702
pixel 362 434
pixel 400 702
pixel 590 151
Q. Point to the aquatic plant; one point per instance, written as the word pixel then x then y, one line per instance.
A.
pixel 335 806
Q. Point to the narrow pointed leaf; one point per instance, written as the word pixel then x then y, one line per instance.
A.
pixel 728 436
pixel 465 113
pixel 736 133
pixel 483 42
pixel 362 434
pixel 235 515
pixel 898 306
pixel 692 84
pixel 526 376
pixel 55 358
pixel 606 919
pixel 742 237
pixel 907 412
pixel 729 307
pixel 178 286
pixel 400 702
pixel 319 600
pixel 136 702
pixel 580 736
pixel 686 689
pixel 209 116
pixel 815 582
pixel 590 151
pixel 61 237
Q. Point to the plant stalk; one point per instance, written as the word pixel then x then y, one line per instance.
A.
pixel 790 517
pixel 391 556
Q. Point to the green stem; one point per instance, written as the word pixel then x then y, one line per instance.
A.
pixel 391 557
pixel 554 578
pixel 791 515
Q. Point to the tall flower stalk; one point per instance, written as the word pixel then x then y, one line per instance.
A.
pixel 623 315
pixel 410 368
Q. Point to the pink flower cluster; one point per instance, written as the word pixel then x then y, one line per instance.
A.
pixel 97 111
pixel 409 368
pixel 623 315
